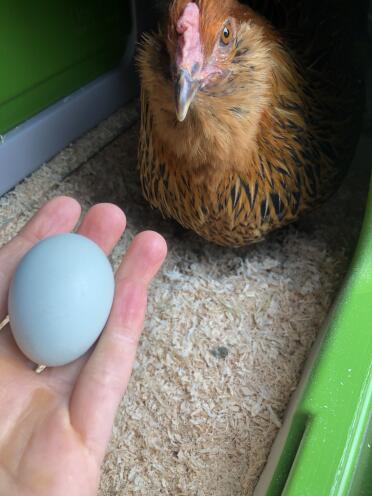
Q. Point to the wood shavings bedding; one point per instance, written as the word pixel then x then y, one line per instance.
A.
pixel 227 331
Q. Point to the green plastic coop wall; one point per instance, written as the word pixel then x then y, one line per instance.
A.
pixel 49 49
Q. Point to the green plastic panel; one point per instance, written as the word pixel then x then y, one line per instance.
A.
pixel 328 449
pixel 49 49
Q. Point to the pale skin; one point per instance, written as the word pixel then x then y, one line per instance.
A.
pixel 55 426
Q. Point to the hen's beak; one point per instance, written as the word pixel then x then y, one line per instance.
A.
pixel 185 90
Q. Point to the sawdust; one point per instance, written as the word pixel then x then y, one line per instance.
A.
pixel 227 330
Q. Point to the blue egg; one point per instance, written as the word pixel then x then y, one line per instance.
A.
pixel 60 298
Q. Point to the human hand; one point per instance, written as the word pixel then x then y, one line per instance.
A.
pixel 55 426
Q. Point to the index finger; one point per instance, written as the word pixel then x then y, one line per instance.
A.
pixel 104 378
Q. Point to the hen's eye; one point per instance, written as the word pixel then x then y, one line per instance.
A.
pixel 226 34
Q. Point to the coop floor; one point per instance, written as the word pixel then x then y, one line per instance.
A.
pixel 227 331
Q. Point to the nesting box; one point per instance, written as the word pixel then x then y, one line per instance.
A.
pixel 64 67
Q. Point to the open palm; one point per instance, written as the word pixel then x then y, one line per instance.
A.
pixel 54 427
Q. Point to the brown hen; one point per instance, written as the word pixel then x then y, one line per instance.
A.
pixel 245 124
